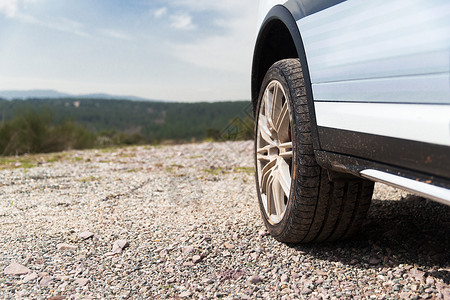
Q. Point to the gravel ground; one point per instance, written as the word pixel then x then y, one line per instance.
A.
pixel 183 221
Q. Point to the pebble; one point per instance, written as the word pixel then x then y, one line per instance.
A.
pixel 254 279
pixel 417 274
pixel 64 247
pixel 119 245
pixel 16 269
pixel 86 235
pixel 430 280
pixel 30 277
pixel 228 245
pixel 186 294
pixel 57 297
pixel 81 281
pixel 171 207
pixel 45 281
pixel 187 249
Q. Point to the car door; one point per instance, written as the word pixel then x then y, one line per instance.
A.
pixel 380 80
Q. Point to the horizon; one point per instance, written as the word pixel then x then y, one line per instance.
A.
pixel 38 94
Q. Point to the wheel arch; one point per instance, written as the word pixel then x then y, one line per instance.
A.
pixel 280 28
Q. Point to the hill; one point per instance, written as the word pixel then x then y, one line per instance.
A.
pixel 52 94
pixel 154 121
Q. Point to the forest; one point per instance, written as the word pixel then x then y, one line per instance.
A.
pixel 48 125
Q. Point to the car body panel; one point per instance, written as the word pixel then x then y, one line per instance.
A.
pixel 382 52
pixel 416 122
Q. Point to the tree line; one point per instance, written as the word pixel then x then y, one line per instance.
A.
pixel 49 125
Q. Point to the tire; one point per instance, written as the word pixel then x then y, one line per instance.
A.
pixel 298 202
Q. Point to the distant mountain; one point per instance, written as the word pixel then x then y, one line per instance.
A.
pixel 12 94
pixel 52 94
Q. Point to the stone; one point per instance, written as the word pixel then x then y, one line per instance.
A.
pixel 119 245
pixel 85 235
pixel 64 247
pixel 81 281
pixel 207 280
pixel 446 294
pixel 196 259
pixel 30 277
pixel 417 274
pixel 28 258
pixel 45 281
pixel 186 294
pixel 16 269
pixel 254 279
pixel 263 233
pixel 228 245
pixel 226 253
pixel 63 286
pixel 284 278
pixel 57 297
pixel 187 249
pixel 405 295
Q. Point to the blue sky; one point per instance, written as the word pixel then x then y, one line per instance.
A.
pixel 184 50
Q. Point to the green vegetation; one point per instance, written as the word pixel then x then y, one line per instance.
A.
pixel 51 125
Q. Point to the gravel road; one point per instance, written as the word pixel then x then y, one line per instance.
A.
pixel 183 222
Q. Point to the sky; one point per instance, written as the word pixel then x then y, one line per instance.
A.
pixel 181 50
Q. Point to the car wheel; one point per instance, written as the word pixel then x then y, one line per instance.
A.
pixel 298 201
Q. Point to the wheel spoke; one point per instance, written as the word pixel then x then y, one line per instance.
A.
pixel 268 103
pixel 270 197
pixel 276 104
pixel 264 149
pixel 278 196
pixel 264 130
pixel 262 157
pixel 284 175
pixel 286 146
pixel 282 124
pixel 286 155
pixel 266 172
pixel 286 150
pixel 264 153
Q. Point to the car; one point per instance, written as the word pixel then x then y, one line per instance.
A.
pixel 345 94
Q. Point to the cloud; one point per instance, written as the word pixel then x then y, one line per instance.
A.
pixel 182 22
pixel 14 9
pixel 160 12
pixel 61 24
pixel 9 7
pixel 116 34
pixel 232 49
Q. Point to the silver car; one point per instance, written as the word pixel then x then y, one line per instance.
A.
pixel 346 93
